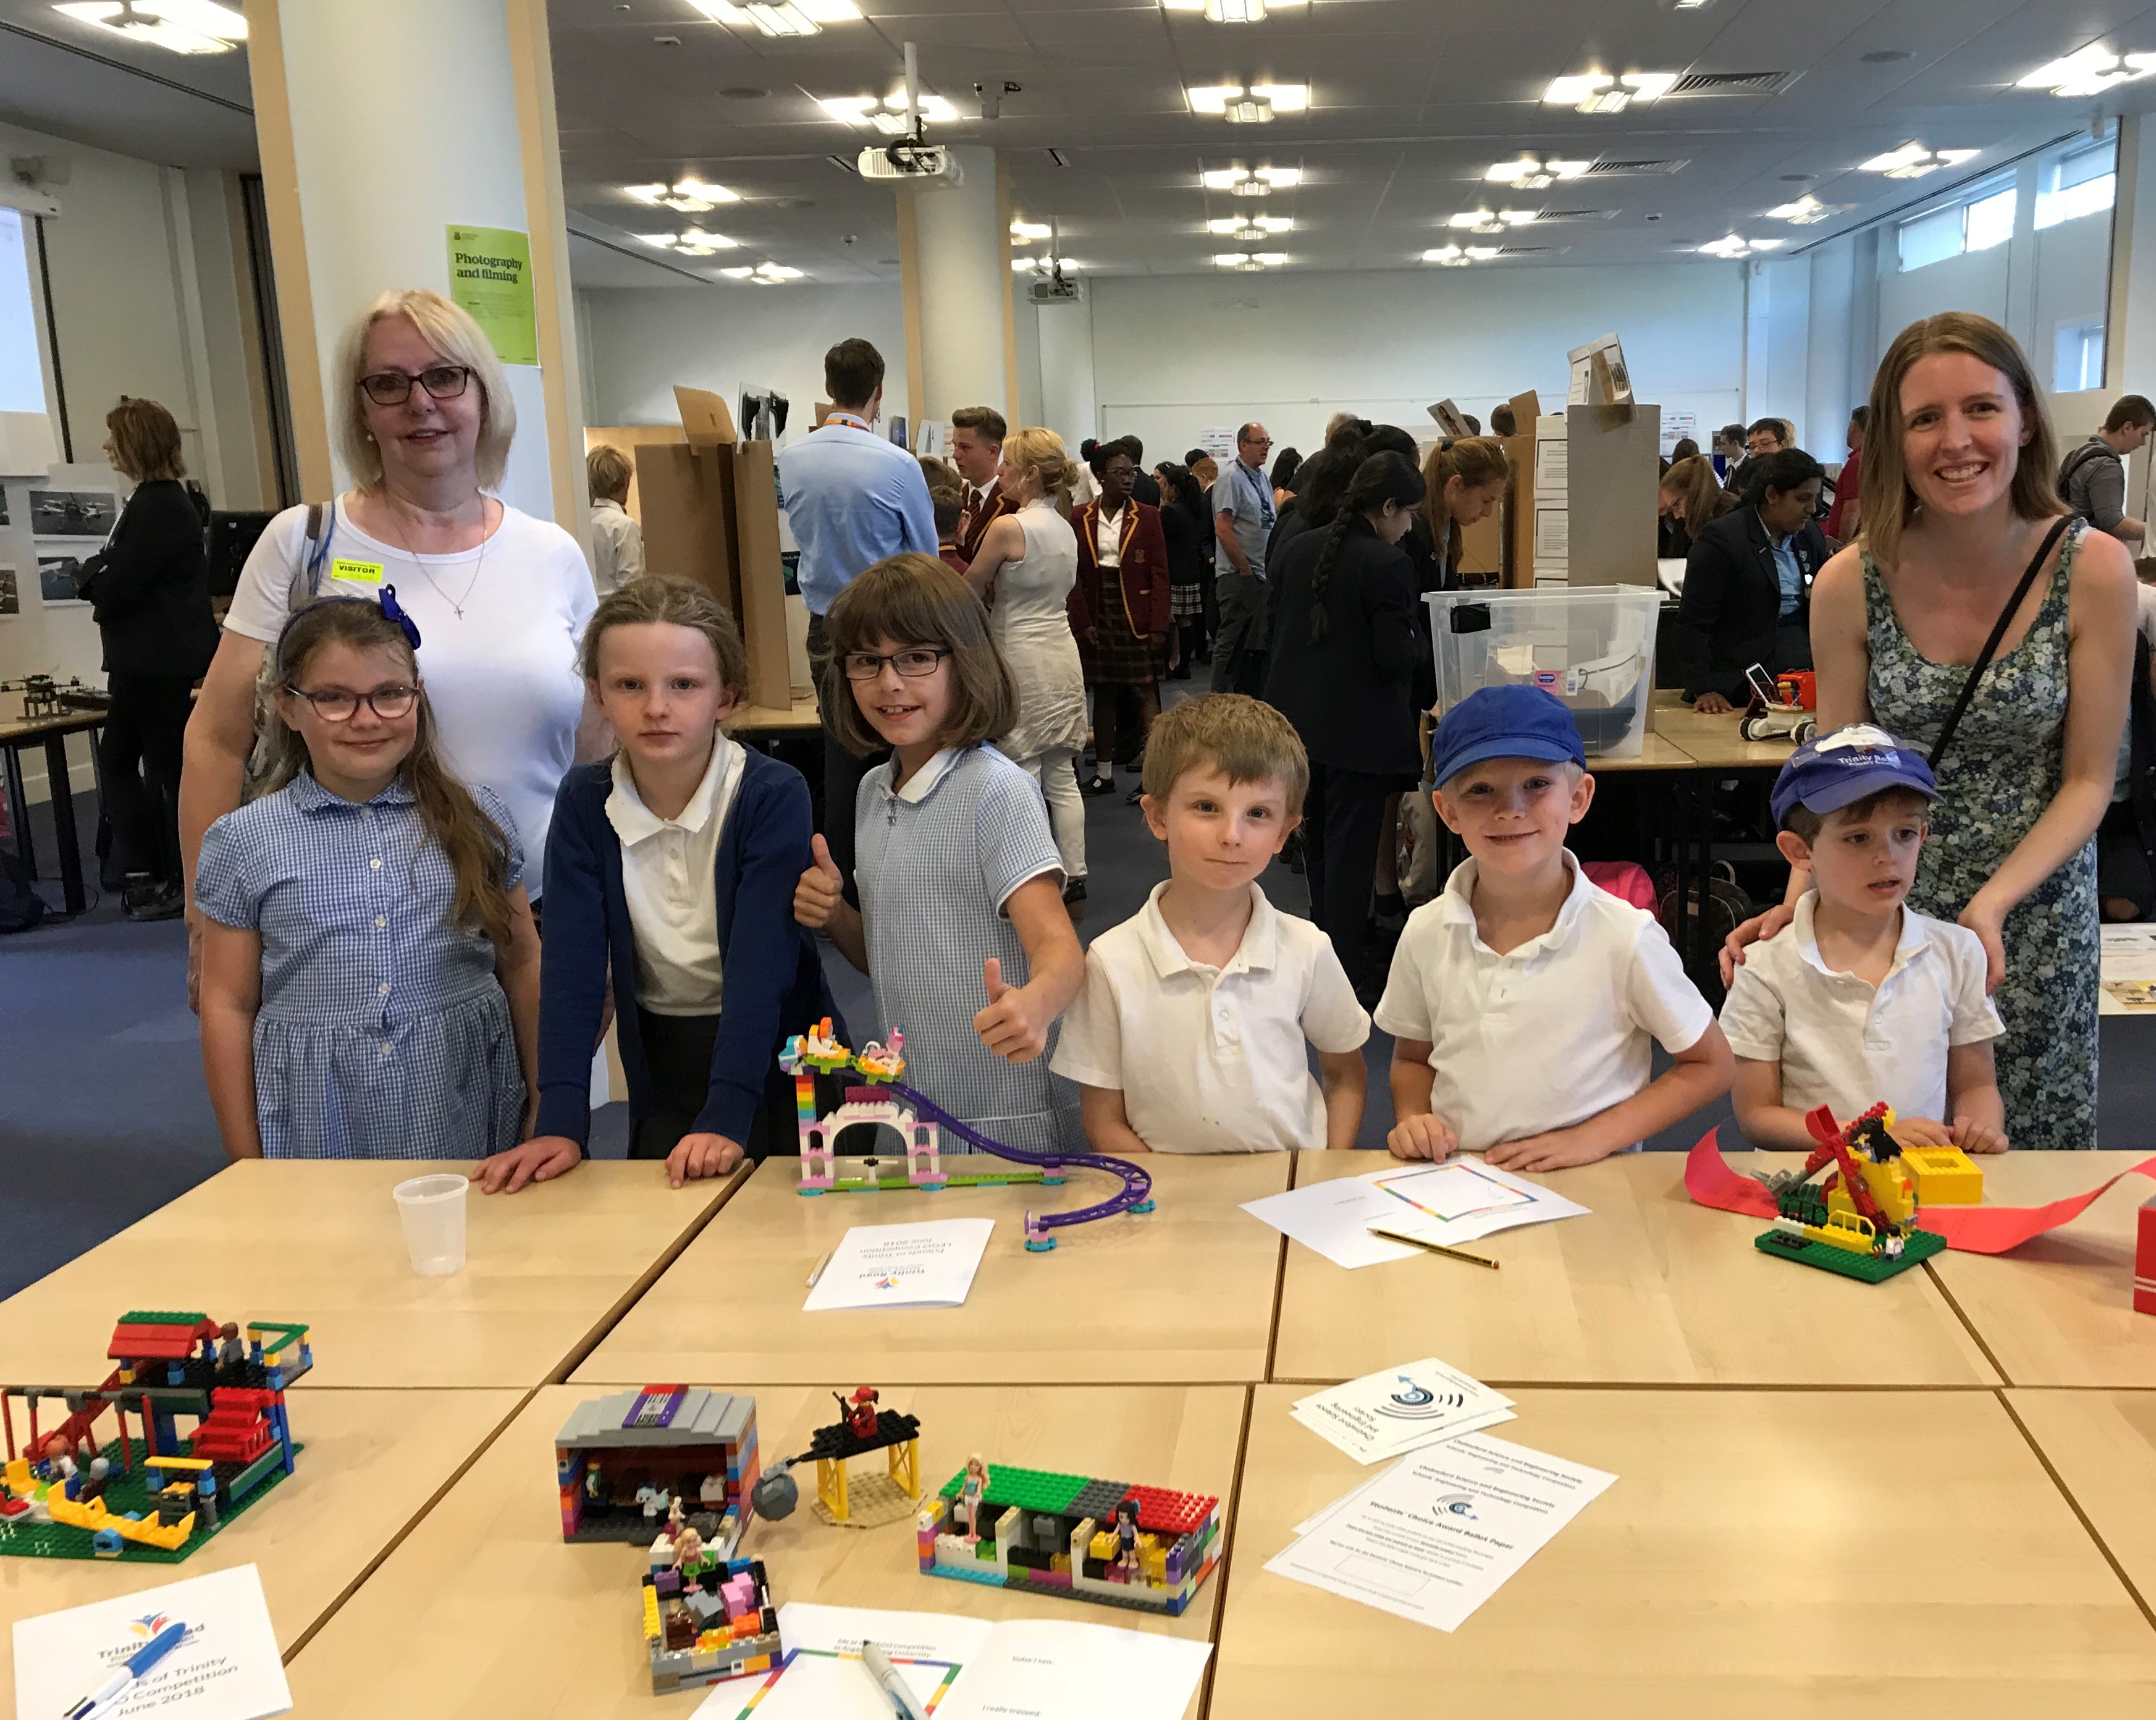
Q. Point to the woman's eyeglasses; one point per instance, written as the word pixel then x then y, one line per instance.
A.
pixel 335 704
pixel 867 666
pixel 393 387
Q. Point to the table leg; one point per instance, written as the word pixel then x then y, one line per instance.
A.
pixel 63 830
pixel 18 809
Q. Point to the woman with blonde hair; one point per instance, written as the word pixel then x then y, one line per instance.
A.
pixel 422 417
pixel 1689 500
pixel 1976 619
pixel 1024 569
pixel 150 585
pixel 1464 479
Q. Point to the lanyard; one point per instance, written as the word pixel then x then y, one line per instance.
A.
pixel 853 418
pixel 1264 494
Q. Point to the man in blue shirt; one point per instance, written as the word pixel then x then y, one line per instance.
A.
pixel 852 498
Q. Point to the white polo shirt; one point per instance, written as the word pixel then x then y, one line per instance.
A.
pixel 1839 1042
pixel 1211 1059
pixel 1548 1035
pixel 667 868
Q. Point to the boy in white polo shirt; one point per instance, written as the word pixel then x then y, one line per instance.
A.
pixel 1522 1000
pixel 1860 998
pixel 1189 1035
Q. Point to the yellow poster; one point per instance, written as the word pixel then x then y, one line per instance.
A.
pixel 490 276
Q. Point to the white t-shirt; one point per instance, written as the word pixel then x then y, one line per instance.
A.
pixel 1842 1044
pixel 667 867
pixel 502 680
pixel 1215 1059
pixel 617 546
pixel 1548 1035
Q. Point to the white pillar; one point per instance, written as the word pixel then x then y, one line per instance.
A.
pixel 382 126
pixel 956 276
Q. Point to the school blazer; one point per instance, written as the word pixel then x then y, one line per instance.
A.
pixel 772 986
pixel 973 528
pixel 1731 610
pixel 1351 698
pixel 1148 594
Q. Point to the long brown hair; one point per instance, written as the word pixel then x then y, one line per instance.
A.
pixel 146 441
pixel 1476 461
pixel 1705 501
pixel 1886 503
pixel 478 853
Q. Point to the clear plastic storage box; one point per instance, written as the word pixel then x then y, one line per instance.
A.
pixel 1593 646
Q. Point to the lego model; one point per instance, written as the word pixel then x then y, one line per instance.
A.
pixel 1105 1542
pixel 2145 1260
pixel 629 1464
pixel 706 1617
pixel 845 1502
pixel 888 1102
pixel 1862 1222
pixel 64 1494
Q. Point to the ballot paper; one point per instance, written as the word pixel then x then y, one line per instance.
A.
pixel 2128 965
pixel 926 1266
pixel 1440 1532
pixel 961 1668
pixel 1450 1204
pixel 226 1666
pixel 1401 1409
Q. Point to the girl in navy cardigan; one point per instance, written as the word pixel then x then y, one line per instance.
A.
pixel 676 865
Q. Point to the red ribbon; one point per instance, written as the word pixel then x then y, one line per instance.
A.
pixel 1974 1229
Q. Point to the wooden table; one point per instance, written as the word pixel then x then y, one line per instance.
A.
pixel 483 1611
pixel 2059 1310
pixel 1714 742
pixel 1650 1289
pixel 374 1464
pixel 547 1270
pixel 1761 1554
pixel 2101 1447
pixel 18 732
pixel 1181 1294
pixel 763 721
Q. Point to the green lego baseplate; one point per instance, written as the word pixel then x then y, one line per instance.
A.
pixel 125 1494
pixel 1920 1245
pixel 1035 1490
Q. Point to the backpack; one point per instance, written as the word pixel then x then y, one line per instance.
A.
pixel 2071 466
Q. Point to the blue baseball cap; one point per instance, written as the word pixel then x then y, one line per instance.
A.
pixel 1514 721
pixel 1833 771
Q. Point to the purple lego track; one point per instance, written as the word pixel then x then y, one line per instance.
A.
pixel 1137 1184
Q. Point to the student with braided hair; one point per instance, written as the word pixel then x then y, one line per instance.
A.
pixel 1344 645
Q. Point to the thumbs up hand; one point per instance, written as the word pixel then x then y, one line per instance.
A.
pixel 1011 1026
pixel 821 888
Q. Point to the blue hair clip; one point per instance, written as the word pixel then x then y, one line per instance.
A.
pixel 394 611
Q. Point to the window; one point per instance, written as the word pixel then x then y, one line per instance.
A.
pixel 2077 362
pixel 2081 182
pixel 1979 219
pixel 1990 221
pixel 1931 239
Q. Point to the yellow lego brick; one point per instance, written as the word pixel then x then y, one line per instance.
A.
pixel 1945 1176
pixel 1156 1567
pixel 650 1614
pixel 1102 1545
pixel 1059 1562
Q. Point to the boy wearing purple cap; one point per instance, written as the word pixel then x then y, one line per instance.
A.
pixel 1523 999
pixel 1860 998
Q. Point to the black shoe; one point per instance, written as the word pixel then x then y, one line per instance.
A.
pixel 1098 785
pixel 166 902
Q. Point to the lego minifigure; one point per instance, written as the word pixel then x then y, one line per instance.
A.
pixel 688 1554
pixel 674 1516
pixel 653 1500
pixel 1126 1540
pixel 231 1352
pixel 860 1413
pixel 970 1495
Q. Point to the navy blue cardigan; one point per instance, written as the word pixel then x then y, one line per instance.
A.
pixel 773 982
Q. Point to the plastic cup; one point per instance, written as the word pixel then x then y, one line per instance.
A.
pixel 433 1209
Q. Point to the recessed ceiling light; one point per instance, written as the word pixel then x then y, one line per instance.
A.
pixel 763 274
pixel 1690 5
pixel 695 243
pixel 1040 265
pixel 1230 12
pixel 1024 232
pixel 1733 246
pixel 1599 93
pixel 1491 220
pixel 177 26
pixel 1458 257
pixel 1249 104
pixel 1807 210
pixel 687 196
pixel 781 17
pixel 889 115
pixel 1249 261
pixel 1912 161
pixel 2091 72
pixel 1530 173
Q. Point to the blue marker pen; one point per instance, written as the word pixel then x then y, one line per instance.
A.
pixel 138 1663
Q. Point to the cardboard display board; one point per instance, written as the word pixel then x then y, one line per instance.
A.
pixel 706 419
pixel 1518 564
pixel 759 579
pixel 1614 463
pixel 688 514
pixel 628 437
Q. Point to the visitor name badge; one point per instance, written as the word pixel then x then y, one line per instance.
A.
pixel 355 572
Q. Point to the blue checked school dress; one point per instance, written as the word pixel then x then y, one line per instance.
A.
pixel 382 1032
pixel 934 873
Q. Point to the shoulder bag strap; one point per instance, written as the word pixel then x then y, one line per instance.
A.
pixel 1991 646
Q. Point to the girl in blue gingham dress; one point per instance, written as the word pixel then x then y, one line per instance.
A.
pixel 370 968
pixel 961 926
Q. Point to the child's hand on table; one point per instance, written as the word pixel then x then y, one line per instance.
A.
pixel 1974 1137
pixel 1560 1149
pixel 702 1156
pixel 1422 1136
pixel 538 1160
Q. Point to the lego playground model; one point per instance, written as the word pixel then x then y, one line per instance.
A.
pixel 920 1124
pixel 1862 1221
pixel 706 1617
pixel 156 1499
pixel 625 1463
pixel 1106 1542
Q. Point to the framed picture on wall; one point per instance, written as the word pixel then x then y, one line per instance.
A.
pixel 10 594
pixel 73 513
pixel 56 575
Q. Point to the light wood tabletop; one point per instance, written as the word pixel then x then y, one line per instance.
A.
pixel 1656 752
pixel 2059 1309
pixel 799 718
pixel 1179 1296
pixel 372 1463
pixel 2102 1446
pixel 1715 742
pixel 567 1637
pixel 320 1242
pixel 1760 1553
pixel 1648 1289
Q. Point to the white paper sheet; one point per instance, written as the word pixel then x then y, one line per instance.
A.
pixel 1457 1202
pixel 227 1667
pixel 926 1266
pixel 1436 1536
pixel 1403 1409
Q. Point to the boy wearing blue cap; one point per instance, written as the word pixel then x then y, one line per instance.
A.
pixel 1522 1000
pixel 1860 999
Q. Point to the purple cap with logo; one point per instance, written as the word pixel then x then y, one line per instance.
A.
pixel 1828 774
